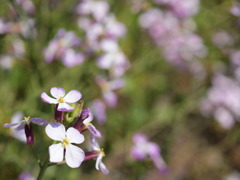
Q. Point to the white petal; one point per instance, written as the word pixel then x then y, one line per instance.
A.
pixel 56 152
pixel 103 168
pixel 74 136
pixel 55 131
pixel 74 156
pixel 57 92
pixel 64 107
pixel 48 99
pixel 94 143
pixel 98 161
pixel 73 96
pixel 89 118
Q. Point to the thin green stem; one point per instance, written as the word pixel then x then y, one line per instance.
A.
pixel 43 169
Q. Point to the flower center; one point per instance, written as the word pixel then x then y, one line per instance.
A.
pixel 65 142
pixel 26 118
pixel 61 100
pixel 102 152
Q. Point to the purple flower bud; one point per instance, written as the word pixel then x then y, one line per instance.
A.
pixel 91 155
pixel 29 134
pixel 84 114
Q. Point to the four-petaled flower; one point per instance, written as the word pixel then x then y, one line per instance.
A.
pixel 73 154
pixel 100 154
pixel 61 99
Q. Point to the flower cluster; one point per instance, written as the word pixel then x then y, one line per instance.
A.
pixel 66 133
pixel 143 148
pixel 172 29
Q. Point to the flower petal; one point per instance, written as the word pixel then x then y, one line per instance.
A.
pixel 89 118
pixel 94 143
pixel 94 131
pixel 57 92
pixel 74 156
pixel 103 168
pixel 20 127
pixel 8 125
pixel 56 152
pixel 74 136
pixel 64 107
pixel 73 96
pixel 98 161
pixel 55 131
pixel 39 121
pixel 48 99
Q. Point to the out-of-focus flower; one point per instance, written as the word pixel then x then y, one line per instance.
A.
pixel 143 148
pixel 27 6
pixel 108 88
pixel 6 61
pixel 99 110
pixel 63 43
pixel 222 39
pixel 98 9
pixel 4 27
pixel 26 176
pixel 26 126
pixel 97 153
pixel 184 8
pixel 235 10
pixel 222 101
pixel 61 99
pixel 73 154
pixel 72 58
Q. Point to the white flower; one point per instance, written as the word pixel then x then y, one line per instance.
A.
pixel 99 164
pixel 73 154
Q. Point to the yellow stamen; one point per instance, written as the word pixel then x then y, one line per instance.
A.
pixel 102 152
pixel 61 100
pixel 65 142
pixel 26 118
pixel 88 123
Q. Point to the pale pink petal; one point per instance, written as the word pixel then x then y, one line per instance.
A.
pixel 39 121
pixel 74 156
pixel 64 107
pixel 8 125
pixel 55 131
pixel 103 168
pixel 94 131
pixel 56 152
pixel 94 143
pixel 89 118
pixel 48 99
pixel 73 96
pixel 57 92
pixel 74 136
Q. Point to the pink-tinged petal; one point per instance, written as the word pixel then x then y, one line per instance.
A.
pixel 55 131
pixel 138 153
pixel 8 125
pixel 103 168
pixel 48 99
pixel 94 131
pixel 56 152
pixel 116 84
pixel 57 92
pixel 73 96
pixel 74 136
pixel 64 107
pixel 110 98
pixel 89 118
pixel 39 121
pixel 94 143
pixel 98 161
pixel 74 156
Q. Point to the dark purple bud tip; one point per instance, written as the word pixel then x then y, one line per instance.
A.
pixel 58 115
pixel 29 134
